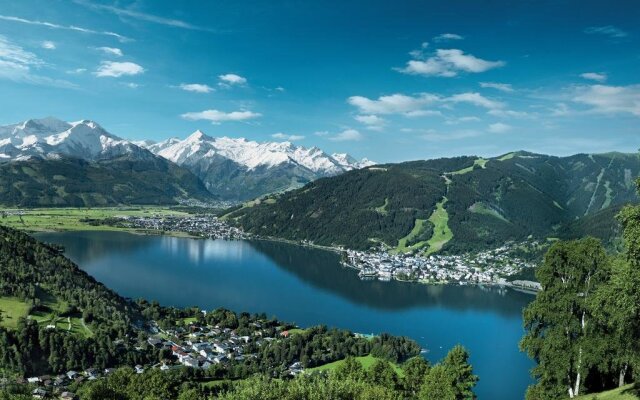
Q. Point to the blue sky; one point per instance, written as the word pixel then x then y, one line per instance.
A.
pixel 391 81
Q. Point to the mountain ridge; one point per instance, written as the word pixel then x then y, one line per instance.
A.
pixel 232 169
pixel 486 201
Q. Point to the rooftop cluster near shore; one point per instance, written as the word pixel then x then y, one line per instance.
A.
pixel 486 267
pixel 203 225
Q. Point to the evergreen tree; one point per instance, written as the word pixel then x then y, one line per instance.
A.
pixel 415 372
pixel 457 364
pixel 438 385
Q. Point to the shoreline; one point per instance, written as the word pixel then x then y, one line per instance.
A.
pixel 526 288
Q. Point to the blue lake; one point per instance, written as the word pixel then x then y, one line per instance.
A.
pixel 309 287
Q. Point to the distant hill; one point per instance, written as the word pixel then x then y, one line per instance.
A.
pixel 454 204
pixel 62 182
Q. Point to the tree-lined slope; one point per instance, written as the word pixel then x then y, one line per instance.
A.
pixel 76 182
pixel 488 201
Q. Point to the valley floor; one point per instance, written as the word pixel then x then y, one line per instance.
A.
pixel 81 219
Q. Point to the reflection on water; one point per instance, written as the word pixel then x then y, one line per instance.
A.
pixel 310 265
pixel 309 286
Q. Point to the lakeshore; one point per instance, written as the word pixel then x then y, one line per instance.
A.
pixel 493 267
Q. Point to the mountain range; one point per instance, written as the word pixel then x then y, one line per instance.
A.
pixel 47 162
pixel 241 169
pixel 453 204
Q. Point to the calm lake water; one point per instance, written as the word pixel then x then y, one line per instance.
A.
pixel 309 287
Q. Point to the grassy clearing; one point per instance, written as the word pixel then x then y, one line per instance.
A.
pixel 70 219
pixel 12 309
pixel 629 392
pixel 383 208
pixel 480 162
pixel 366 361
pixel 482 208
pixel 441 231
pixel 296 331
pixel 189 320
pixel 416 231
pixel 507 156
pixel 47 313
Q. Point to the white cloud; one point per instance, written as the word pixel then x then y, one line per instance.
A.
pixel 284 136
pixel 57 26
pixel 594 76
pixel 216 116
pixel 123 12
pixel 503 87
pixel 499 127
pixel 196 87
pixel 18 65
pixel 77 71
pixel 607 30
pixel 347 135
pixel 476 99
pixel 423 113
pixel 449 63
pixel 605 99
pixel 232 79
pixel 445 37
pixel 460 120
pixel 49 45
pixel 131 85
pixel 419 53
pixel 118 69
pixel 111 51
pixel 321 133
pixel 372 121
pixel 392 104
pixel 496 112
pixel 560 110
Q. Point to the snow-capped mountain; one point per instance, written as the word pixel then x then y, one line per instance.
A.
pixel 51 138
pixel 245 169
pixel 234 169
pixel 250 154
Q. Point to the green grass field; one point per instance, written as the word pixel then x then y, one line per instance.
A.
pixel 69 219
pixel 441 231
pixel 417 229
pixel 480 162
pixel 628 392
pixel 12 309
pixel 366 361
pixel 48 313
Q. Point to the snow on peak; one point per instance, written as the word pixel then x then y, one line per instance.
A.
pixel 199 148
pixel 50 137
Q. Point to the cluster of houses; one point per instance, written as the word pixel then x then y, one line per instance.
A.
pixel 486 267
pixel 202 225
pixel 202 346
pixel 57 387
pixel 194 346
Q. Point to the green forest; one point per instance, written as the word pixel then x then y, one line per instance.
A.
pixel 583 328
pixel 487 203
pixel 70 182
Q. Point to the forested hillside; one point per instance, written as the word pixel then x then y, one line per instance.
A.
pixel 483 202
pixel 73 182
pixel 53 315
